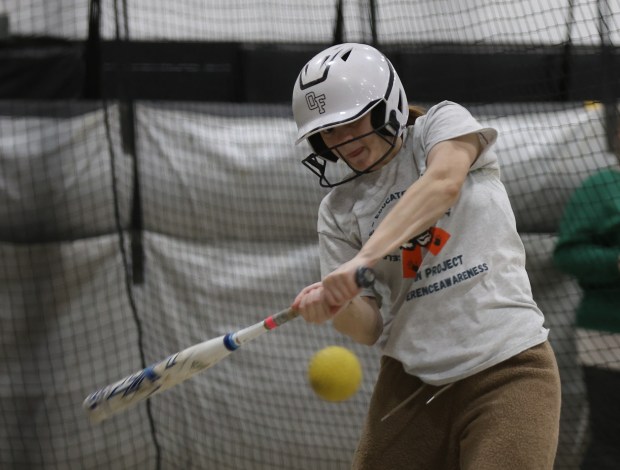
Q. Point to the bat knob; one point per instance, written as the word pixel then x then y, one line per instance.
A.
pixel 364 277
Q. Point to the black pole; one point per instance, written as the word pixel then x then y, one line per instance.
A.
pixel 339 27
pixel 373 22
pixel 609 80
pixel 92 53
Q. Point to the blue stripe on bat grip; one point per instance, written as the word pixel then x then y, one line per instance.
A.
pixel 230 343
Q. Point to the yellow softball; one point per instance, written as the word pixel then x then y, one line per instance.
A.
pixel 335 373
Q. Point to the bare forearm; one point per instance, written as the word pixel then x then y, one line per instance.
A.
pixel 427 200
pixel 420 208
pixel 360 320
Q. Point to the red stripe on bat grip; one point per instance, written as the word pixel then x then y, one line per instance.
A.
pixel 270 324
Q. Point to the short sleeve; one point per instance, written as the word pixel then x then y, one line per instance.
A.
pixel 448 120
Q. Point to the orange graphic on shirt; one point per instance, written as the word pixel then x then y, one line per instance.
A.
pixel 433 240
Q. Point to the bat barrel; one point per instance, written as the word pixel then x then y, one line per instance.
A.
pixel 154 379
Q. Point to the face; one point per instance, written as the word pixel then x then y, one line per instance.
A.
pixel 360 154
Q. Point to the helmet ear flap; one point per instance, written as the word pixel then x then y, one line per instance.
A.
pixel 319 147
pixel 393 125
pixel 377 115
pixel 387 125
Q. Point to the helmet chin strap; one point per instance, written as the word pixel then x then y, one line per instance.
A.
pixel 317 164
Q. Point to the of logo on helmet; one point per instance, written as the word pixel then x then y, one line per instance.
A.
pixel 315 102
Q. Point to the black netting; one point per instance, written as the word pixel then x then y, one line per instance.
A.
pixel 131 228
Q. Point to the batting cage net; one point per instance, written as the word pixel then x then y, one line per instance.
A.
pixel 151 197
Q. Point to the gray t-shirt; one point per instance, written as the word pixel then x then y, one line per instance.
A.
pixel 457 299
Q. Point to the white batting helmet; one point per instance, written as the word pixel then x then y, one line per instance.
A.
pixel 340 85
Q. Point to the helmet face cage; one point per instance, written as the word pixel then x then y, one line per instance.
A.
pixel 317 162
pixel 340 85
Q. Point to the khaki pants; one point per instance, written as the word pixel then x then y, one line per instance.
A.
pixel 506 417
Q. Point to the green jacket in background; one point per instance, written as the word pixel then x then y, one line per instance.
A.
pixel 588 247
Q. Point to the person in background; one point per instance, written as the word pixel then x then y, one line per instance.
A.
pixel 588 248
pixel 468 379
